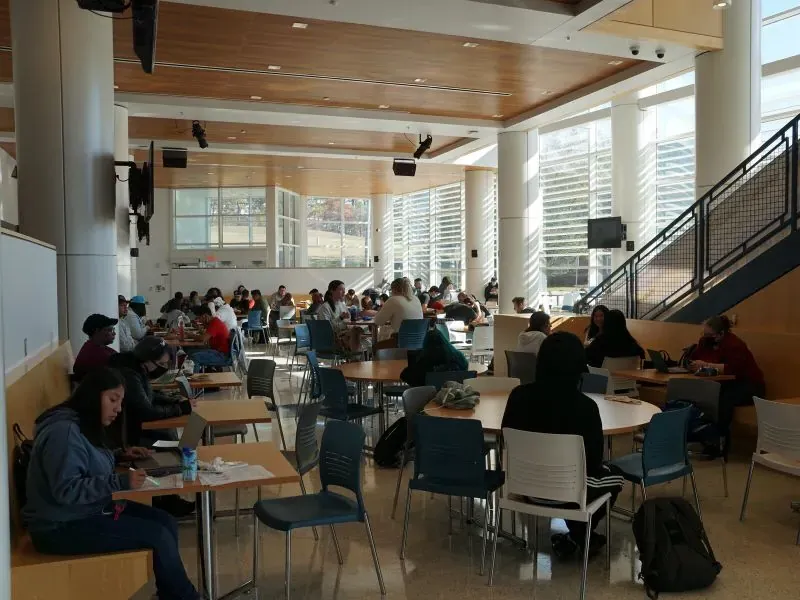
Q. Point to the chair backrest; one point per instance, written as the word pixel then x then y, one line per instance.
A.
pixel 286 312
pixel 313 377
pixel 665 442
pixel 545 466
pixel 334 392
pixel 261 378
pixel 625 363
pixel 494 384
pixel 593 383
pixel 305 442
pixel 438 378
pixel 778 428
pixel 302 336
pixel 703 393
pixel 483 338
pixel 321 335
pixel 411 334
pixel 234 343
pixel 449 450
pixel 414 400
pixel 606 374
pixel 442 327
pixel 391 354
pixel 254 319
pixel 340 458
pixel 522 365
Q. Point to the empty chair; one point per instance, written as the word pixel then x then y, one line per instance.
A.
pixel 482 342
pixel 254 327
pixel 550 468
pixel 340 467
pixel 438 378
pixel 521 365
pixel 594 383
pixel 261 384
pixel 449 459
pixel 305 455
pixel 322 339
pixel 411 334
pixel 620 385
pixel 392 391
pixel 302 344
pixel 494 384
pixel 335 398
pixel 778 445
pixel 284 332
pixel 605 374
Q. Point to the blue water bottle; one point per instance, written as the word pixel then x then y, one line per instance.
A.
pixel 189 464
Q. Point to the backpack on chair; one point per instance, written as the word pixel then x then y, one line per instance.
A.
pixel 675 552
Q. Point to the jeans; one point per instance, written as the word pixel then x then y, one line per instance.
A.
pixel 139 527
pixel 207 357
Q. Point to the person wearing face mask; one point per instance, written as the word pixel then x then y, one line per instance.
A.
pixel 96 352
pixel 71 479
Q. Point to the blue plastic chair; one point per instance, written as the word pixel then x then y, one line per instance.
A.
pixel 449 459
pixel 322 340
pixel 336 398
pixel 664 455
pixel 340 467
pixel 592 383
pixel 438 378
pixel 302 343
pixel 443 330
pixel 411 334
pixel 254 323
pixel 233 360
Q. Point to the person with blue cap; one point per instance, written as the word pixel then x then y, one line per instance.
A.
pixel 135 318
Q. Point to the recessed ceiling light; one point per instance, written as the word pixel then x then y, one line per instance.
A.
pixel 331 143
pixel 546 93
pixel 116 87
pixel 274 67
pixel 210 173
pixel 420 80
pixel 615 62
pixel 255 97
pixel 288 176
pixel 299 25
pixel 231 137
pixel 721 4
pixel 497 116
pixel 383 106
pixel 326 98
pixel 470 45
pixel 242 131
pixel 300 167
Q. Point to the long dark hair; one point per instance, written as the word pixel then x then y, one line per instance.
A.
pixel 561 361
pixel 85 401
pixel 593 330
pixel 329 294
pixel 615 330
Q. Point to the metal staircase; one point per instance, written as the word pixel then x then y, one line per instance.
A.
pixel 736 239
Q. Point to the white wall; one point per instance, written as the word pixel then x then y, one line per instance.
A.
pixel 30 311
pixel 152 266
pixel 9 210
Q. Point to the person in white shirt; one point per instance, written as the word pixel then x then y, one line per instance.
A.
pixel 448 292
pixel 126 342
pixel 135 322
pixel 538 329
pixel 334 309
pixel 400 306
pixel 225 313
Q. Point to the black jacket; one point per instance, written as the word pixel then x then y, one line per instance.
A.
pixel 531 407
pixel 602 346
pixel 141 403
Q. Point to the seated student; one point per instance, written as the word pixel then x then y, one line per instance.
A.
pixel 435 301
pixel 246 302
pixel 424 299
pixel 418 289
pixel 287 307
pixel 596 323
pixel 615 341
pixel 519 306
pixel 71 479
pixel 553 404
pixel 316 302
pixel 217 337
pixel 225 313
pixel 126 342
pixel 401 306
pixel 460 311
pixel 490 291
pixel 137 311
pixel 538 329
pixel 437 354
pixel 351 298
pixel 95 352
pixel 448 291
pixel 335 311
pixel 366 307
pixel 175 303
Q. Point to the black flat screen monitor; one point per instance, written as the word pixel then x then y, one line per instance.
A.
pixel 605 233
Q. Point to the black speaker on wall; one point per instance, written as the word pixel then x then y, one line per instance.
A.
pixel 174 158
pixel 404 167
pixel 134 253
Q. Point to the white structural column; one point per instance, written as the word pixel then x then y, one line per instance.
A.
pixel 728 96
pixel 518 198
pixel 273 243
pixel 64 112
pixel 633 193
pixel 301 234
pixel 381 238
pixel 5 514
pixel 479 228
pixel 125 279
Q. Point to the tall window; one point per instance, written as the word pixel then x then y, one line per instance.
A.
pixel 288 228
pixel 576 181
pixel 428 234
pixel 220 218
pixel 338 232
pixel 675 160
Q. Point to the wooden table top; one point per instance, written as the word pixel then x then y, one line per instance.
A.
pixel 386 370
pixel 653 376
pixel 265 454
pixel 203 381
pixel 219 412
pixel 617 417
pixel 187 343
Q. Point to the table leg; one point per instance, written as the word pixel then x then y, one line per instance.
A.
pixel 382 419
pixel 207 525
pixel 201 567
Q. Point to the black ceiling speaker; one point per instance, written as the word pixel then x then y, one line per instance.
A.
pixel 404 167
pixel 174 158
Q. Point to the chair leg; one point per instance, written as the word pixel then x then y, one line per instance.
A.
pixel 399 481
pixel 287 577
pixel 696 498
pixel 255 433
pixel 374 554
pixel 485 533
pixel 608 534
pixel 280 427
pixel 303 490
pixel 405 526
pixel 336 545
pixel 644 493
pixel 236 514
pixel 535 538
pixel 584 573
pixel 725 475
pixel 494 546
pixel 255 549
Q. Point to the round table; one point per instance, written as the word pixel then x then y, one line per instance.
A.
pixel 386 370
pixel 617 417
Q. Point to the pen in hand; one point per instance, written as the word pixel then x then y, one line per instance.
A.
pixel 148 479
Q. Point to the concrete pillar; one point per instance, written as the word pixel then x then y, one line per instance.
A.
pixel 479 228
pixel 125 280
pixel 633 193
pixel 5 514
pixel 64 112
pixel 273 242
pixel 381 241
pixel 728 96
pixel 518 199
pixel 301 258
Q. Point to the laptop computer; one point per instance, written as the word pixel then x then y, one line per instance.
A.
pixel 168 460
pixel 661 365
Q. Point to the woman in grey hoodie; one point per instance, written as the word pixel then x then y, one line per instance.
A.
pixel 71 479
pixel 538 329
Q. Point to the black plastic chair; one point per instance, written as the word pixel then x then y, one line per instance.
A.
pixel 522 365
pixel 592 383
pixel 335 399
pixel 261 382
pixel 323 341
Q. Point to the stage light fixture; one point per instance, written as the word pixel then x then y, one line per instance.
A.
pixel 200 134
pixel 424 146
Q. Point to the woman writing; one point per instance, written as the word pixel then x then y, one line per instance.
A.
pixel 71 479
pixel 615 341
pixel 538 329
pixel 596 323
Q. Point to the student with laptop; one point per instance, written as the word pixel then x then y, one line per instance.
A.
pixel 660 363
pixel 72 476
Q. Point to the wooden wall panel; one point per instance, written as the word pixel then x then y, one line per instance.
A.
pixel 639 12
pixel 773 308
pixel 690 16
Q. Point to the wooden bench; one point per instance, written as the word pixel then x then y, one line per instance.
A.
pixel 37 576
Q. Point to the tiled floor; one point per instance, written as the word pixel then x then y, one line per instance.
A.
pixel 760 559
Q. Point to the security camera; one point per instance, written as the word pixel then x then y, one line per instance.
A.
pixel 635 49
pixel 660 52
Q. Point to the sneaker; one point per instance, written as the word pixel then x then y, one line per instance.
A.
pixel 564 546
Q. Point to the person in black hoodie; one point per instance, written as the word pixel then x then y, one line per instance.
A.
pixel 615 341
pixel 554 404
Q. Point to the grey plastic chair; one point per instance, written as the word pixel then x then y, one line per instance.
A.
pixel 593 383
pixel 522 365
pixel 305 455
pixel 261 383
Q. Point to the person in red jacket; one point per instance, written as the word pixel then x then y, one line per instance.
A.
pixel 724 351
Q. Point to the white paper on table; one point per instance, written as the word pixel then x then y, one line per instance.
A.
pixel 248 473
pixel 168 482
pixel 165 444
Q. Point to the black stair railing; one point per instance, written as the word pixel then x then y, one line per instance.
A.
pixel 756 202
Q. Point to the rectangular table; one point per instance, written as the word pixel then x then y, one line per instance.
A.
pixel 654 377
pixel 265 454
pixel 219 412
pixel 227 379
pixel 189 343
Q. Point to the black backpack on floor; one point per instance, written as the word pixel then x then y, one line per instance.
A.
pixel 675 552
pixel 389 449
